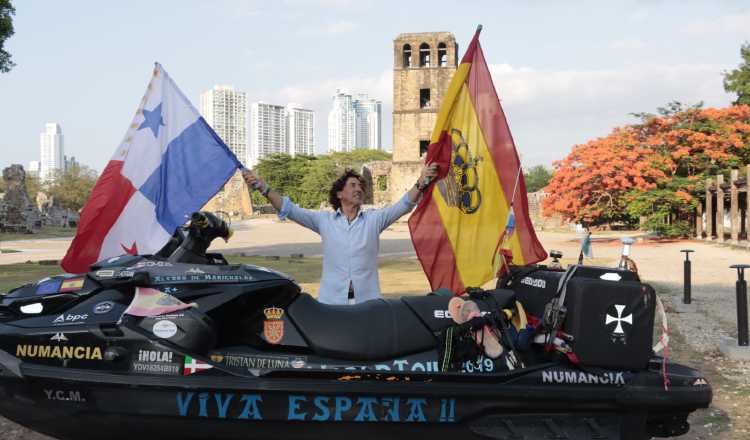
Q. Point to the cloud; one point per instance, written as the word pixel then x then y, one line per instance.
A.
pixel 378 86
pixel 318 96
pixel 627 44
pixel 341 27
pixel 735 23
pixel 549 111
pixel 583 90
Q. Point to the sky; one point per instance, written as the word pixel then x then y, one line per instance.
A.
pixel 566 72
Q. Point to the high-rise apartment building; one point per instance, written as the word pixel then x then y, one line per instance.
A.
pixel 225 110
pixel 341 123
pixel 368 115
pixel 354 122
pixel 268 131
pixel 33 168
pixel 300 130
pixel 52 153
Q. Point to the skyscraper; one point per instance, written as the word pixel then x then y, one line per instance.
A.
pixel 33 168
pixel 300 130
pixel 52 153
pixel 368 114
pixel 225 110
pixel 341 127
pixel 268 130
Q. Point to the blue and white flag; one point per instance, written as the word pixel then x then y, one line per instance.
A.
pixel 170 164
pixel 586 249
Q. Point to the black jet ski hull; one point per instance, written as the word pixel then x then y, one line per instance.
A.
pixel 81 405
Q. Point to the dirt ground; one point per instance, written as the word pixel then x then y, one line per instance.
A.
pixel 696 331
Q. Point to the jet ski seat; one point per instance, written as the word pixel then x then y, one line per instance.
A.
pixel 379 329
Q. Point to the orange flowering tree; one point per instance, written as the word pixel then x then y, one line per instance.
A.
pixel 653 169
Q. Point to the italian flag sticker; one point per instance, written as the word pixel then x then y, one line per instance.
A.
pixel 193 366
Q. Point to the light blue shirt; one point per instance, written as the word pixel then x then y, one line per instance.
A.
pixel 350 250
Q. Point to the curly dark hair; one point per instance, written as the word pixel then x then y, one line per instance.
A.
pixel 339 185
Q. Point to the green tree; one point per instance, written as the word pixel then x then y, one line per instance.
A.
pixel 33 186
pixel 537 178
pixel 738 80
pixel 317 182
pixel 283 173
pixel 71 188
pixel 6 31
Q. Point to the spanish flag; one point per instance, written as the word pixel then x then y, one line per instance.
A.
pixel 460 225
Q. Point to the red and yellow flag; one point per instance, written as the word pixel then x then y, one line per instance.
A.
pixel 458 224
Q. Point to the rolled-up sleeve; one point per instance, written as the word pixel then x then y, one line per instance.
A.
pixel 304 217
pixel 389 214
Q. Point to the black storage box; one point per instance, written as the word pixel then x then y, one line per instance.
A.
pixel 611 322
pixel 537 286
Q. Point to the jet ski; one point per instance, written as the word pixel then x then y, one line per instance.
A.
pixel 184 345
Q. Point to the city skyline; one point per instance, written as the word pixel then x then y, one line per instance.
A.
pixel 559 86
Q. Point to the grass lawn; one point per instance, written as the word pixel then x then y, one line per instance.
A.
pixel 8 251
pixel 398 275
pixel 45 232
pixel 14 275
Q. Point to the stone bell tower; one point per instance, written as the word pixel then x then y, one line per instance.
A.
pixel 423 65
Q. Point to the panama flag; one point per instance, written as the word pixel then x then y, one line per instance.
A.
pixel 169 165
pixel 479 197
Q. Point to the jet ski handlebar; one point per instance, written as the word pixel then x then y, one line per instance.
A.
pixel 190 242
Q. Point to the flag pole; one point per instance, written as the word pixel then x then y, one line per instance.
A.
pixel 515 185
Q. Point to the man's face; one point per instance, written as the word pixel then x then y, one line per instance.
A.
pixel 353 193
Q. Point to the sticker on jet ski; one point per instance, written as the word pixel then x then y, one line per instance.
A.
pixel 203 277
pixel 72 284
pixel 78 352
pixel 55 395
pixel 616 315
pixel 534 282
pixel 317 408
pixel 262 362
pixel 273 326
pixel 573 377
pixel 70 319
pixel 156 362
pixel 192 366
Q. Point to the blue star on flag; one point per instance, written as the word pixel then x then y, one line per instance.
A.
pixel 152 119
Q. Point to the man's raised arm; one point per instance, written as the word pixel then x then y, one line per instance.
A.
pixel 284 206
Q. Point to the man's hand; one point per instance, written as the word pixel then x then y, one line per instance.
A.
pixel 429 170
pixel 253 181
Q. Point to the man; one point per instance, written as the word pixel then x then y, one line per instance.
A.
pixel 350 235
